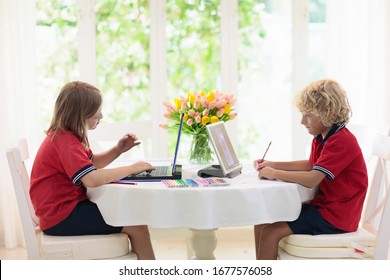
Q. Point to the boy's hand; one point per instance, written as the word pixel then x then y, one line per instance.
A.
pixel 266 172
pixel 256 163
pixel 260 164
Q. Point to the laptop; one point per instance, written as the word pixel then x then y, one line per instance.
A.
pixel 229 165
pixel 164 172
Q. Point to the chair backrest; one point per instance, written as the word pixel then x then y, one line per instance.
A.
pixel 17 154
pixel 365 134
pixel 376 215
pixel 106 135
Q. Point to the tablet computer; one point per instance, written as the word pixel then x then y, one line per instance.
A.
pixel 229 165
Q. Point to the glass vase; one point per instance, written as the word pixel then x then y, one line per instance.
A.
pixel 200 151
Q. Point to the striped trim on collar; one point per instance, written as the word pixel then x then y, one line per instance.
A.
pixel 333 130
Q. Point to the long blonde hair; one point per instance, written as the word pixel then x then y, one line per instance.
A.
pixel 76 102
pixel 325 99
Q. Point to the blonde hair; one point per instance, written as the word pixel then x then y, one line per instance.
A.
pixel 325 99
pixel 76 102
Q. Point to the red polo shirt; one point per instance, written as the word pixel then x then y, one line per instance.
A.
pixel 55 177
pixel 341 194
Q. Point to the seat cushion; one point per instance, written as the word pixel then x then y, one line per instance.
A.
pixel 84 247
pixel 359 244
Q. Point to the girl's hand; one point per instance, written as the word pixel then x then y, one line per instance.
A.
pixel 127 142
pixel 141 166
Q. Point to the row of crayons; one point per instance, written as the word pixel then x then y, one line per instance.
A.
pixel 209 182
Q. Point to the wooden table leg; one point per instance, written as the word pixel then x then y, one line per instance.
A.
pixel 203 243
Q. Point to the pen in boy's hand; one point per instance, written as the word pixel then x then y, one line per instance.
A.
pixel 262 159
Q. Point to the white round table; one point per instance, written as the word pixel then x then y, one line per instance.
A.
pixel 246 201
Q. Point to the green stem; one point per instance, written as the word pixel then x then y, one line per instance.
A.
pixel 200 151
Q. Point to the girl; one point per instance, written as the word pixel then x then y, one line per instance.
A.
pixel 65 166
pixel 336 165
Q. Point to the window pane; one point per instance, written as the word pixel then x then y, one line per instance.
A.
pixel 264 89
pixel 56 51
pixel 193 46
pixel 122 34
pixel 193 52
pixel 317 39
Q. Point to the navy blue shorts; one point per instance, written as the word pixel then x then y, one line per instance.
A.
pixel 85 219
pixel 310 221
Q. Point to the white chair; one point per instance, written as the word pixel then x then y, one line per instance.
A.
pixel 371 240
pixel 42 246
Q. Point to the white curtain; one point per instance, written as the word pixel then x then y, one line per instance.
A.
pixel 17 89
pixel 358 34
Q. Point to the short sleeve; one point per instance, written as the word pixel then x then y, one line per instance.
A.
pixel 77 161
pixel 336 155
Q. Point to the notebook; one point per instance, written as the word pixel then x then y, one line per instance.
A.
pixel 173 171
pixel 229 165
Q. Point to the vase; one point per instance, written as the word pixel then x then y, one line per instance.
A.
pixel 200 151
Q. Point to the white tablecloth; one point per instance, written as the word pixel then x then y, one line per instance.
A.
pixel 246 201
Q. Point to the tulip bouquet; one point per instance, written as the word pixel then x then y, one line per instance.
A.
pixel 200 109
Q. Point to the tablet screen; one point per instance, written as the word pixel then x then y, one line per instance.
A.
pixel 222 146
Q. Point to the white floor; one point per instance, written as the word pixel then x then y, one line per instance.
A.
pixel 233 244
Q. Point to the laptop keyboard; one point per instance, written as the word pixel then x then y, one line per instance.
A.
pixel 160 170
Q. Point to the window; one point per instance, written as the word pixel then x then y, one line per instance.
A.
pixel 193 54
pixel 122 55
pixel 264 89
pixel 56 51
pixel 193 60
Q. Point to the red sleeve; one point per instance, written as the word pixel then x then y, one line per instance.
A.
pixel 337 154
pixel 76 161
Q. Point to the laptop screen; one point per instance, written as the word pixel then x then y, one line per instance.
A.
pixel 223 147
pixel 177 143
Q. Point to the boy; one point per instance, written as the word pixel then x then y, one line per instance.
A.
pixel 336 165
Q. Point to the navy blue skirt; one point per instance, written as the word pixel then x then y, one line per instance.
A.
pixel 85 219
